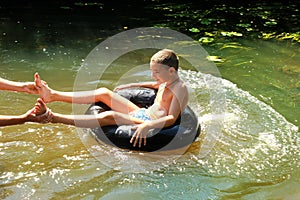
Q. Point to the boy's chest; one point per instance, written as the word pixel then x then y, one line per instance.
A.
pixel 163 95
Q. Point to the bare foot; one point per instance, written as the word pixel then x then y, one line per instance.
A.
pixel 43 114
pixel 40 107
pixel 42 87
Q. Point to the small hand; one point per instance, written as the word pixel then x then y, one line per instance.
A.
pixel 116 89
pixel 29 87
pixel 31 116
pixel 139 135
pixel 120 87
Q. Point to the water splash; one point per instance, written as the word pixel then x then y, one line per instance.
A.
pixel 241 137
pixel 256 141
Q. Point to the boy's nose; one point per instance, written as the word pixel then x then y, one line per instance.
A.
pixel 152 75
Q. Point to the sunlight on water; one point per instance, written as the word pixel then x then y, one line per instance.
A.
pixel 257 150
pixel 246 149
pixel 255 137
pixel 35 157
pixel 256 146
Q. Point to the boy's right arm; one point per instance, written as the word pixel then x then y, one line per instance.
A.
pixel 152 85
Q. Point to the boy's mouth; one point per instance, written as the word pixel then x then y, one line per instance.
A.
pixel 158 80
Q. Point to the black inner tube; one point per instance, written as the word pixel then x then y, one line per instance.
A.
pixel 181 134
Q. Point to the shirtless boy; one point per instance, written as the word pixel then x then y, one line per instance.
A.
pixel 171 100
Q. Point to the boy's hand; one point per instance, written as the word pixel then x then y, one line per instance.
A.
pixel 140 134
pixel 120 87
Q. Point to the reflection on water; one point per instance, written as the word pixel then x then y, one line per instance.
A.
pixel 258 150
pixel 255 156
pixel 269 70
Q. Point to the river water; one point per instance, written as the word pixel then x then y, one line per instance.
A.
pixel 254 153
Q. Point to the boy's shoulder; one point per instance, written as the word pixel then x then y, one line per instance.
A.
pixel 181 84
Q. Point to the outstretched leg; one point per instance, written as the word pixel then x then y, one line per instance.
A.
pixel 111 99
pixel 89 121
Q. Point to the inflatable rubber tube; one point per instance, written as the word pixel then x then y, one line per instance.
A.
pixel 181 134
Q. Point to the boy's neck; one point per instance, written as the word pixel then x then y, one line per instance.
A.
pixel 172 81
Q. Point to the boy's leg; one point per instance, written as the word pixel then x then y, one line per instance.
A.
pixel 115 101
pixel 89 121
pixel 111 99
pixel 92 121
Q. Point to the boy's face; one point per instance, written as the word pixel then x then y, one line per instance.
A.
pixel 160 73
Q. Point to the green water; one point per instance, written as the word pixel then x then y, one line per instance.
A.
pixel 257 156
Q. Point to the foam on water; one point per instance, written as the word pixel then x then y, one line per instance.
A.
pixel 241 136
pixel 255 140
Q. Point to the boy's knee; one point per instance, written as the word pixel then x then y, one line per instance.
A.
pixel 107 118
pixel 108 115
pixel 104 92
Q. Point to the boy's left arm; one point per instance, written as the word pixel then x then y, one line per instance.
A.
pixel 177 105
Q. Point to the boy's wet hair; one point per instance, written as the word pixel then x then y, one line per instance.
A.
pixel 166 57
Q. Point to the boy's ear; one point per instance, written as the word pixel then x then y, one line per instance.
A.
pixel 172 69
